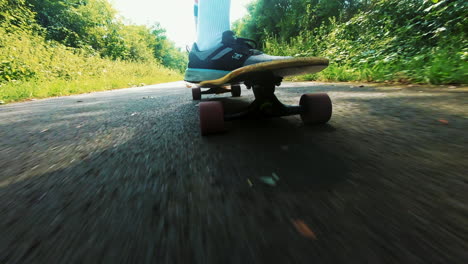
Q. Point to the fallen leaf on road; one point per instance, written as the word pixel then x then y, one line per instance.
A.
pixel 268 180
pixel 443 121
pixel 249 182
pixel 303 229
pixel 274 176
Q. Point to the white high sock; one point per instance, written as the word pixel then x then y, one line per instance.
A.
pixel 213 20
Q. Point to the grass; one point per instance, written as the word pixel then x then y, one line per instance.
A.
pixel 437 68
pixel 378 60
pixel 116 77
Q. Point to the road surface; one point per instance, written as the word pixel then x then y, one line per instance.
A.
pixel 124 177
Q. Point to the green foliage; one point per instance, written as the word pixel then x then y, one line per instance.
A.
pixel 75 23
pixel 59 47
pixel 33 68
pixel 166 52
pixel 15 16
pixel 284 19
pixel 92 25
pixel 384 40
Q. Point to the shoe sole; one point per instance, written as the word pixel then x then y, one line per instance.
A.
pixel 199 75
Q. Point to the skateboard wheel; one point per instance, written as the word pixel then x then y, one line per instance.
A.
pixel 235 90
pixel 196 93
pixel 211 118
pixel 317 108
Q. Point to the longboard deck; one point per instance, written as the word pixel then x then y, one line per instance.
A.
pixel 280 68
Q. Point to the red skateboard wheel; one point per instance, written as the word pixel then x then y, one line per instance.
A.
pixel 317 108
pixel 211 118
pixel 196 93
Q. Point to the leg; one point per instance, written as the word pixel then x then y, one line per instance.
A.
pixel 213 20
pixel 195 14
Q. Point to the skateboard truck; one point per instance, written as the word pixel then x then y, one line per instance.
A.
pixel 313 108
pixel 235 91
pixel 266 104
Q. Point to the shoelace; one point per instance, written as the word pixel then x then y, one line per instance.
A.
pixel 247 42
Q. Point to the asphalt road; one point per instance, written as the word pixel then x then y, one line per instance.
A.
pixel 125 177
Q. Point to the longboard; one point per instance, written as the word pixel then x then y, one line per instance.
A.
pixel 280 68
pixel 263 78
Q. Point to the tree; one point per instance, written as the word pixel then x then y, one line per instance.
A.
pixel 15 15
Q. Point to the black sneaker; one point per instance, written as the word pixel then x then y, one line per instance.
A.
pixel 229 55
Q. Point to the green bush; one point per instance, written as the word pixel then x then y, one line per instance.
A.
pixel 59 47
pixel 16 16
pixel 92 25
pixel 387 40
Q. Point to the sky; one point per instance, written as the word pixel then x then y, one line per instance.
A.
pixel 176 16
